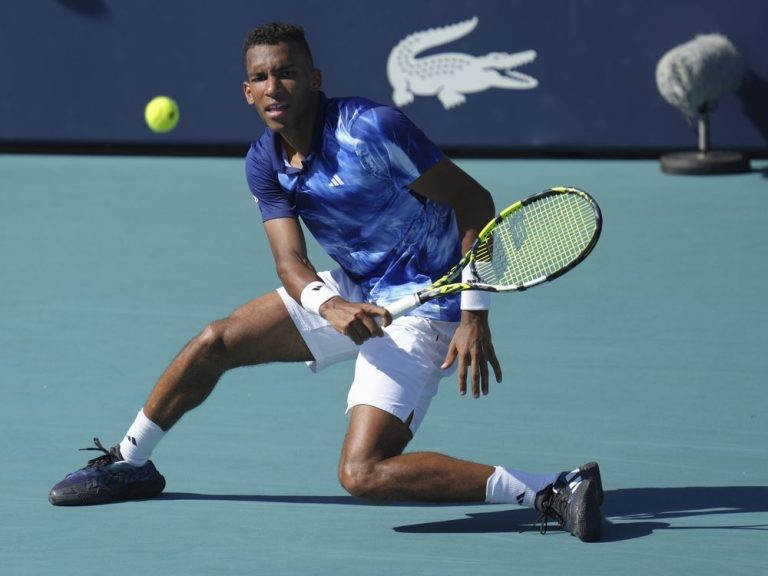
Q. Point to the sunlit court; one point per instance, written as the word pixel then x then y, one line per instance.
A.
pixel 128 226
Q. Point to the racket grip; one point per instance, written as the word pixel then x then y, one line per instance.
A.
pixel 404 305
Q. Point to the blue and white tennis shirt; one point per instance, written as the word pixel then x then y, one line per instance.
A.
pixel 352 195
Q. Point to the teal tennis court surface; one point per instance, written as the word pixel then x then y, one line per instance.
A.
pixel 650 357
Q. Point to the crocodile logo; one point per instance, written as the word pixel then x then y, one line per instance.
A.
pixel 451 75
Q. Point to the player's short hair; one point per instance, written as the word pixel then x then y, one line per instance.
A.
pixel 273 33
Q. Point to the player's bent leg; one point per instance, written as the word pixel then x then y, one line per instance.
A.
pixel 373 436
pixel 396 378
pixel 373 465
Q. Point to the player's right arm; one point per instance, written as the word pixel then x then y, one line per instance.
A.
pixel 357 320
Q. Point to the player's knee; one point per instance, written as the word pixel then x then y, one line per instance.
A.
pixel 211 345
pixel 360 480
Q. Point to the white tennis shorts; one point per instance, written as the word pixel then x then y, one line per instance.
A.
pixel 398 373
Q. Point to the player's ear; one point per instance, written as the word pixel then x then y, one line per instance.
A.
pixel 247 93
pixel 316 79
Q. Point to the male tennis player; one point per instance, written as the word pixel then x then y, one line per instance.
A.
pixel 395 214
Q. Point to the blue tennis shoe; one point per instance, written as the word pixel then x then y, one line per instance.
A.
pixel 106 479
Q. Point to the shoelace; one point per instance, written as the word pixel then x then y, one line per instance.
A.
pixel 108 457
pixel 555 507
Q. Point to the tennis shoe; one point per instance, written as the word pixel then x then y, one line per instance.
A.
pixel 573 501
pixel 107 478
pixel 589 471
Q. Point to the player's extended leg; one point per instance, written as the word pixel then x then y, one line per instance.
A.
pixel 258 332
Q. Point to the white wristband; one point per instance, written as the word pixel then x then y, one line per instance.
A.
pixel 314 295
pixel 473 299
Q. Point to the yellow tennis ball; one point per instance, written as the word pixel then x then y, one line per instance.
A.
pixel 161 114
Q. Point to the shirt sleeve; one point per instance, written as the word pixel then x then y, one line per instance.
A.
pixel 273 201
pixel 389 145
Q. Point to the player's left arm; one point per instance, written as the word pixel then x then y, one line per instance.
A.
pixel 472 344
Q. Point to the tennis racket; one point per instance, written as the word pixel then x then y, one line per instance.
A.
pixel 530 242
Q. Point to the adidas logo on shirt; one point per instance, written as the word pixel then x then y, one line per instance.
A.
pixel 336 181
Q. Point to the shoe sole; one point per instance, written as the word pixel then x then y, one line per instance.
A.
pixel 142 492
pixel 85 491
pixel 591 471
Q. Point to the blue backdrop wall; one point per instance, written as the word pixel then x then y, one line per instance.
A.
pixel 82 70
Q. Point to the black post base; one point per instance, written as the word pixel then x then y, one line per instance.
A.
pixel 704 163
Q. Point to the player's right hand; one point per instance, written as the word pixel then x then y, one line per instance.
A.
pixel 359 321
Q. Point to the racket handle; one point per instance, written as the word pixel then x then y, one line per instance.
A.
pixel 404 305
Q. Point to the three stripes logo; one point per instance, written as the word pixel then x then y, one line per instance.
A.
pixel 336 181
pixel 131 439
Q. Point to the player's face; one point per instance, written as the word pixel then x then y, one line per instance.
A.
pixel 282 85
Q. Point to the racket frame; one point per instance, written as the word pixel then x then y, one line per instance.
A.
pixel 445 285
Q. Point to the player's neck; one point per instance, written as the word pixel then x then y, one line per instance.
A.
pixel 297 143
pixel 295 157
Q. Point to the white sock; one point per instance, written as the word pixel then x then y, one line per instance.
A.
pixel 140 440
pixel 507 486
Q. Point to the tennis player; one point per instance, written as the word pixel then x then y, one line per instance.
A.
pixel 394 213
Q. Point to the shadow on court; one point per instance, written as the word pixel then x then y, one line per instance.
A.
pixel 633 512
pixel 335 500
pixel 636 512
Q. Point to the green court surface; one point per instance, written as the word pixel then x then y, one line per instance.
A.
pixel 650 357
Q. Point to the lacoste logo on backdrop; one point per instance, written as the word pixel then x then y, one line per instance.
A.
pixel 449 75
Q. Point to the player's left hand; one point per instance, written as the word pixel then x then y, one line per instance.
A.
pixel 473 347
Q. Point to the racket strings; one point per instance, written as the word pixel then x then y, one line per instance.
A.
pixel 537 241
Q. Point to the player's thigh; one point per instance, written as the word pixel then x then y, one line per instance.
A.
pixel 396 377
pixel 373 435
pixel 263 331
